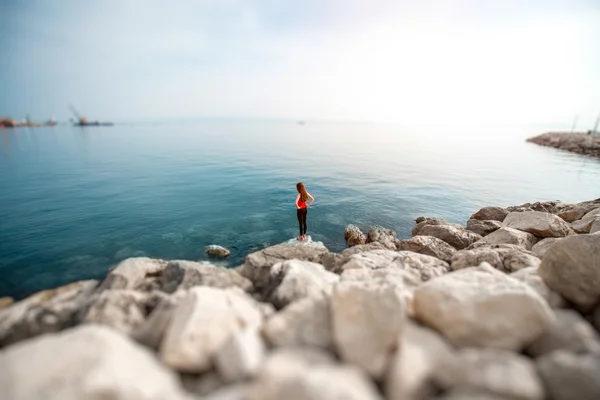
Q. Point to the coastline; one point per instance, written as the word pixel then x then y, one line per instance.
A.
pixel 575 142
pixel 515 290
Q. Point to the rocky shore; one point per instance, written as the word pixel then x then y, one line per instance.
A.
pixel 576 142
pixel 507 307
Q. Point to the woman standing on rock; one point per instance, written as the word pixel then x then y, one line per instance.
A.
pixel 302 208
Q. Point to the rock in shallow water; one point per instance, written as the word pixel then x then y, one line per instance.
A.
pixel 87 362
pixel 482 307
pixel 217 251
pixel 571 268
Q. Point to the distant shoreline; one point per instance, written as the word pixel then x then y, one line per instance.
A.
pixel 575 142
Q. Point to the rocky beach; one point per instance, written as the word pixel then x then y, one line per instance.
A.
pixel 575 142
pixel 505 307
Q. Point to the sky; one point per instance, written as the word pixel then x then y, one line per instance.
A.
pixel 455 61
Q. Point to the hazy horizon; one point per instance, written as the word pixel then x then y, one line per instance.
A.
pixel 465 61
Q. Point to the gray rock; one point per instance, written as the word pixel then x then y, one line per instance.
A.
pixel 354 236
pixel 257 266
pixel 552 207
pixel 584 225
pixel 421 364
pixel 595 228
pixel 333 261
pixel 241 356
pixel 122 310
pixel 498 372
pixel 490 214
pixel 483 227
pixel 421 222
pixel 181 275
pixel 387 237
pixel 541 247
pixel 204 384
pixel 510 236
pixel 482 307
pixel 367 320
pixel 230 392
pixel 503 257
pixel 306 322
pixel 217 251
pixel 151 332
pixel 130 273
pixel 568 376
pixel 299 279
pixel 44 312
pixel 202 322
pixel 87 362
pixel 570 267
pixel 426 266
pixel 538 223
pixel 459 238
pixel 576 211
pixel 532 278
pixel 427 245
pixel 292 376
pixel 571 332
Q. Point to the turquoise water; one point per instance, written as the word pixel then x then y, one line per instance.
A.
pixel 74 201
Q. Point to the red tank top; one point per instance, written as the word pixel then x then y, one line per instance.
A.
pixel 301 204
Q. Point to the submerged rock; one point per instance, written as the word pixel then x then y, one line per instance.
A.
pixel 87 362
pixel 217 251
pixel 540 224
pixel 482 307
pixel 354 236
pixel 570 267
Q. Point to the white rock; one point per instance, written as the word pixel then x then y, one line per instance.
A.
pixel 541 247
pixel 202 322
pixel 181 275
pixel 131 272
pixel 299 279
pixel 367 320
pixel 386 237
pixel 241 356
pixel 482 307
pixel 306 322
pixel 457 237
pixel 427 245
pixel 531 277
pixel 87 362
pixel 540 224
pixel 503 257
pixel 506 235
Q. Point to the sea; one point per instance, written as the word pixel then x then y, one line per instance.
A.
pixel 74 201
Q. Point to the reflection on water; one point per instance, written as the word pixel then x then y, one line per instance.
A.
pixel 74 201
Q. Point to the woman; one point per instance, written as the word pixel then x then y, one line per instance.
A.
pixel 302 208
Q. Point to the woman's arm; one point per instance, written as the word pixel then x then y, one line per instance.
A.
pixel 296 202
pixel 312 199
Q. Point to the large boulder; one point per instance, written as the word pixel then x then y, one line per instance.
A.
pixel 531 277
pixel 151 332
pixel 123 310
pixel 334 261
pixel 538 223
pixel 87 362
pixel 427 245
pixel 257 266
pixel 457 237
pixel 306 322
pixel 482 307
pixel 183 275
pixel 299 279
pixel 202 322
pixel 426 266
pixel 568 376
pixel 421 222
pixel 241 356
pixel 367 320
pixel 387 237
pixel 570 267
pixel 510 236
pixel 421 365
pixel 130 273
pixel 490 214
pixel 498 372
pixel 503 257
pixel 551 207
pixel 483 227
pixel 354 236
pixel 571 332
pixel 541 247
pixel 44 312
pixel 300 375
pixel 584 225
pixel 576 211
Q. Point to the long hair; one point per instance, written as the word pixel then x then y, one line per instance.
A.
pixel 302 191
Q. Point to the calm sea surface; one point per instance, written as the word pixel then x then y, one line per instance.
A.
pixel 74 201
